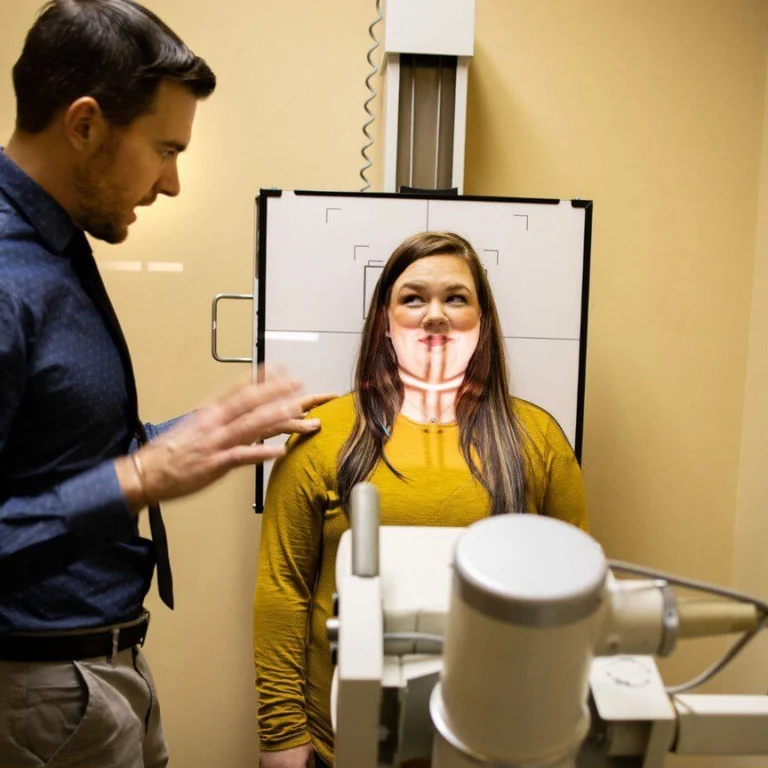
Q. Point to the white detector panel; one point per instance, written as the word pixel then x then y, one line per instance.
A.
pixel 533 256
pixel 546 372
pixel 322 252
pixel 320 255
pixel 325 362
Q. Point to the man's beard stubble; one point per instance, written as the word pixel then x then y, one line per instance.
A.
pixel 100 202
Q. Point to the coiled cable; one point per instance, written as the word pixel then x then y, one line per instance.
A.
pixel 374 93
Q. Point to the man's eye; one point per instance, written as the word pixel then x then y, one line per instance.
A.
pixel 168 153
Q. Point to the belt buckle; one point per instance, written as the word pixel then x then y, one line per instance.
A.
pixel 147 617
pixel 115 635
pixel 115 632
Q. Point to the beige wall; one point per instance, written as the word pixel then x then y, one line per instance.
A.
pixel 652 109
pixel 750 564
pixel 655 111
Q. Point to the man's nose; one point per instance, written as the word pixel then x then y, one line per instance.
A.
pixel 169 183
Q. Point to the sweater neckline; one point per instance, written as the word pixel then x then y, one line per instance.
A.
pixel 428 424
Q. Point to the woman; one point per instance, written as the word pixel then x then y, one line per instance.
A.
pixel 431 424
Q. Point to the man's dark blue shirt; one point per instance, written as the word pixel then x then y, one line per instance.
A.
pixel 67 540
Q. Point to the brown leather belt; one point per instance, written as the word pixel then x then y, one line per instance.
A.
pixel 75 644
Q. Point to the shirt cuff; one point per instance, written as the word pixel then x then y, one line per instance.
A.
pixel 98 507
pixel 279 746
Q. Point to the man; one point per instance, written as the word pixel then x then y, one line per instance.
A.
pixel 106 97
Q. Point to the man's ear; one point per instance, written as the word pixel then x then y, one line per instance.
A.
pixel 84 124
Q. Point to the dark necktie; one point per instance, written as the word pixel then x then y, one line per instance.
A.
pixel 79 251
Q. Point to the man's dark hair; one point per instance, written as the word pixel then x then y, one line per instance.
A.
pixel 113 50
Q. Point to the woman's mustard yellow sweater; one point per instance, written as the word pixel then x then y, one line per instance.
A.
pixel 303 522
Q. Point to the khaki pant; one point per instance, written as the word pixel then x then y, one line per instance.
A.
pixel 84 714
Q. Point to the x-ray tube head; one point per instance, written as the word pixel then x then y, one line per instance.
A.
pixel 526 604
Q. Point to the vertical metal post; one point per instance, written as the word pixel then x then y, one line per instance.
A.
pixel 365 518
pixel 439 111
pixel 413 122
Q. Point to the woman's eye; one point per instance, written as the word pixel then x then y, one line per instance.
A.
pixel 457 300
pixel 412 299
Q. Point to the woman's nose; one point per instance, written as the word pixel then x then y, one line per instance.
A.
pixel 435 319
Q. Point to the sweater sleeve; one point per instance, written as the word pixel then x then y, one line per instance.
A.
pixel 289 555
pixel 564 496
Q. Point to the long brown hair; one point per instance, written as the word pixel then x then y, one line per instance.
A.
pixel 488 425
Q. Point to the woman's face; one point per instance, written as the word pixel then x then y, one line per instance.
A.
pixel 434 319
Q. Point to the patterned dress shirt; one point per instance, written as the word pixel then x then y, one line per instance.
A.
pixel 70 553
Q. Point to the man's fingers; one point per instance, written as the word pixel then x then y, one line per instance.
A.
pixel 267 371
pixel 300 426
pixel 244 455
pixel 293 427
pixel 254 425
pixel 254 396
pixel 222 393
pixel 263 374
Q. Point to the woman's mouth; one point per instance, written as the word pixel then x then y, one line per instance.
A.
pixel 435 340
